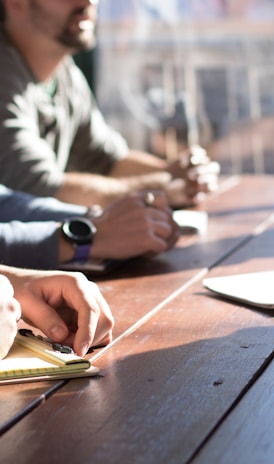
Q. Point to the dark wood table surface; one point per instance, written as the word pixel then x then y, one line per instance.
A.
pixel 188 378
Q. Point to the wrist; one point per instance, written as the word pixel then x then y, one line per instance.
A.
pixel 79 233
pixel 65 249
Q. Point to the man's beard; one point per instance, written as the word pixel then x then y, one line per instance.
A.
pixel 77 42
pixel 82 40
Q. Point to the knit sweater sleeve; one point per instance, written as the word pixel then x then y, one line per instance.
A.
pixel 31 245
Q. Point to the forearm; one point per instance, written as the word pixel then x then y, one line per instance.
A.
pixel 138 163
pixel 90 189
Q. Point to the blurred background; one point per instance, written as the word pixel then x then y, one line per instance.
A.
pixel 170 73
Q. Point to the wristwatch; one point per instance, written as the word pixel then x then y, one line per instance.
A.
pixel 79 231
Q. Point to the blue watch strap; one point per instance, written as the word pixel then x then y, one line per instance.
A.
pixel 82 252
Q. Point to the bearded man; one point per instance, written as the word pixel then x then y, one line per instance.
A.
pixel 54 140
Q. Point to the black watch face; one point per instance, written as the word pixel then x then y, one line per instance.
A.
pixel 79 230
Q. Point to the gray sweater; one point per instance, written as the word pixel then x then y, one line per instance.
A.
pixel 47 130
pixel 28 227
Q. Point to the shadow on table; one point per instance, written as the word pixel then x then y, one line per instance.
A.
pixel 199 255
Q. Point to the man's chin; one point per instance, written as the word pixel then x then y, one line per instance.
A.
pixel 81 43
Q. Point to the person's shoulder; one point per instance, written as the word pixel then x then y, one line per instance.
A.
pixel 5 43
pixel 12 63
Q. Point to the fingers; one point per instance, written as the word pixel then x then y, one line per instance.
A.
pixel 67 308
pixel 140 222
pixel 199 181
pixel 211 169
pixel 153 198
pixel 198 171
pixel 95 321
pixel 180 192
pixel 202 179
pixel 193 176
pixel 202 172
pixel 154 222
pixel 158 221
pixel 198 156
pixel 164 226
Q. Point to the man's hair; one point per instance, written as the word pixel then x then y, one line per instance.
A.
pixel 2 12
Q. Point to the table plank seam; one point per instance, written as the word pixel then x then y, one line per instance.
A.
pixel 256 376
pixel 31 407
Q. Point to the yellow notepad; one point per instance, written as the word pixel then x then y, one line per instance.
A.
pixel 34 358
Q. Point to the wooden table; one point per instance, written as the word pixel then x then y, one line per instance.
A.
pixel 188 378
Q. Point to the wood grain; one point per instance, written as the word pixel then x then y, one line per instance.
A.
pixel 181 359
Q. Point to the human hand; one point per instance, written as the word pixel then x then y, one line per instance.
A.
pixel 194 174
pixel 65 306
pixel 133 226
pixel 10 313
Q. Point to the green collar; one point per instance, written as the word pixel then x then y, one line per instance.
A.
pixel 50 87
